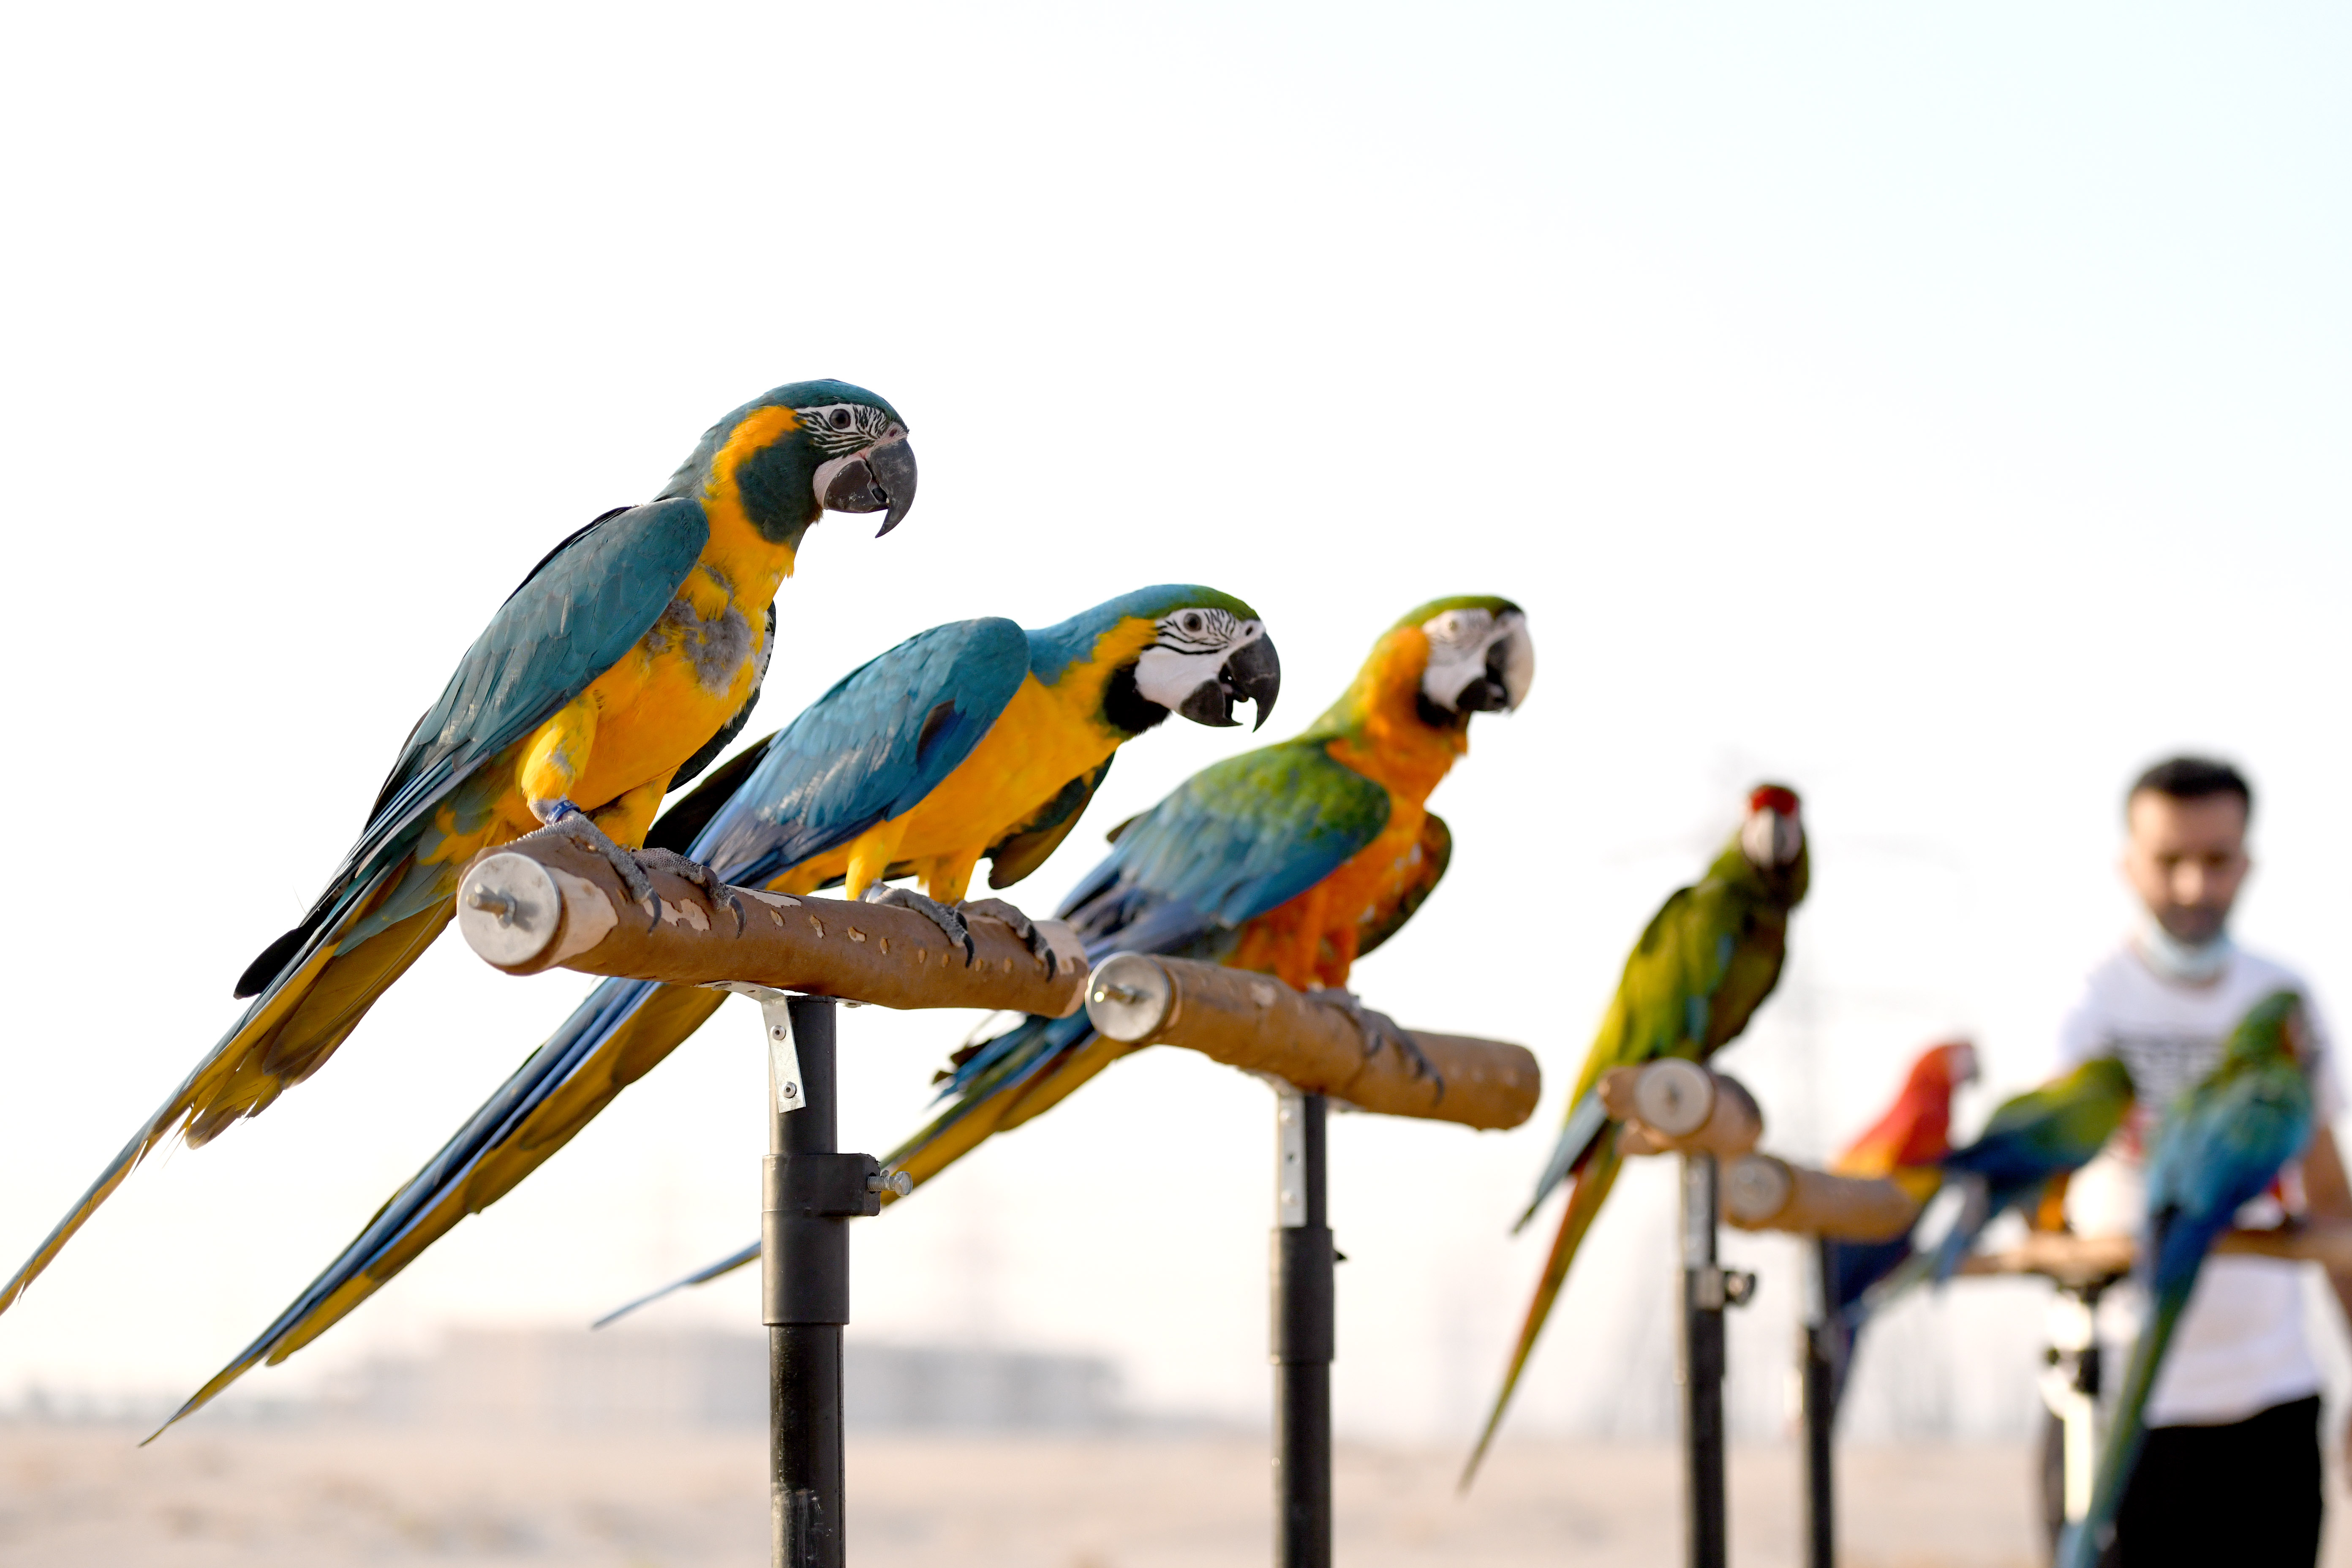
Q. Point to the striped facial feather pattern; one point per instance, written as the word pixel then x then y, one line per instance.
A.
pixel 838 427
pixel 1203 630
pixel 1203 659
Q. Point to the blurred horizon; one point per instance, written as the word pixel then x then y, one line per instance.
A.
pixel 1940 411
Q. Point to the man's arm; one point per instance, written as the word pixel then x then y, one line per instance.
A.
pixel 2327 1195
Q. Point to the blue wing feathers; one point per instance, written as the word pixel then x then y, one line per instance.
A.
pixel 582 607
pixel 868 750
pixel 1236 839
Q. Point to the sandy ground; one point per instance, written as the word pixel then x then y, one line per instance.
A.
pixel 323 1497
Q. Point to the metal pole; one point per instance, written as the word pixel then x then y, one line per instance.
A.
pixel 1817 1380
pixel 811 1192
pixel 2070 1388
pixel 1702 1368
pixel 1303 1335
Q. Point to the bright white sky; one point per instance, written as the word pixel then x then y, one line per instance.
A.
pixel 1943 411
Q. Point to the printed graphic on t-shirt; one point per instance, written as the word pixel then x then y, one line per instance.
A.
pixel 2162 1067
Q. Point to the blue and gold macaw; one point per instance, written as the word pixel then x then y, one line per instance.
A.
pixel 2219 1145
pixel 1294 860
pixel 625 662
pixel 969 740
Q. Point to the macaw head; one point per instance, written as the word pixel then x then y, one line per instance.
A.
pixel 1917 1130
pixel 2273 1027
pixel 1481 659
pixel 1773 836
pixel 789 456
pixel 1943 1068
pixel 1927 1096
pixel 1177 647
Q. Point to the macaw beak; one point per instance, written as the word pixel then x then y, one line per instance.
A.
pixel 880 478
pixel 1252 673
pixel 1491 692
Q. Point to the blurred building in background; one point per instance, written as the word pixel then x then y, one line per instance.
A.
pixel 575 1381
pixel 569 1380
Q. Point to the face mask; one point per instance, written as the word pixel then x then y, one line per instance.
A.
pixel 2177 960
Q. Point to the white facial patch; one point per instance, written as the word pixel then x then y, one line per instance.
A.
pixel 1189 649
pixel 1459 644
pixel 1769 838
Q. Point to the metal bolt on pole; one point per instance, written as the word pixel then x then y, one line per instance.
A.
pixel 1303 1335
pixel 812 1191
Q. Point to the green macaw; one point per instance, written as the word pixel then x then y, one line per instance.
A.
pixel 624 663
pixel 1706 962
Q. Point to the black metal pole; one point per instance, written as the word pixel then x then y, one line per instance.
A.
pixel 1702 1368
pixel 811 1192
pixel 1303 1336
pixel 1817 1379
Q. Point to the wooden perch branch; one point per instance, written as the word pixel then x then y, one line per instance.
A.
pixel 1677 1107
pixel 2083 1259
pixel 541 903
pixel 1763 1192
pixel 1257 1023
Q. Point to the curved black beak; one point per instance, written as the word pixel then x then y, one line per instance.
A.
pixel 1252 675
pixel 880 478
pixel 1491 692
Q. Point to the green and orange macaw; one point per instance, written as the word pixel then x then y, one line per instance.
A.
pixel 1294 860
pixel 969 741
pixel 630 655
pixel 1704 964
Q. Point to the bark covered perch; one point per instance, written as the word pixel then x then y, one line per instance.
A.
pixel 1762 1192
pixel 1258 1024
pixel 2068 1258
pixel 544 903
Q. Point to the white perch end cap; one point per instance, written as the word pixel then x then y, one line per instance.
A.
pixel 509 910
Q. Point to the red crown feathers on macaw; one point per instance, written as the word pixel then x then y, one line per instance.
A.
pixel 1295 859
pixel 976 739
pixel 627 658
pixel 1704 964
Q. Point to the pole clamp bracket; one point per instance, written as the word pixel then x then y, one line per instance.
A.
pixel 1714 1289
pixel 824 1186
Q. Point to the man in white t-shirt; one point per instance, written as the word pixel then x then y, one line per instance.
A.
pixel 2232 1470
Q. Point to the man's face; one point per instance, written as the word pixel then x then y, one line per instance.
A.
pixel 2186 859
